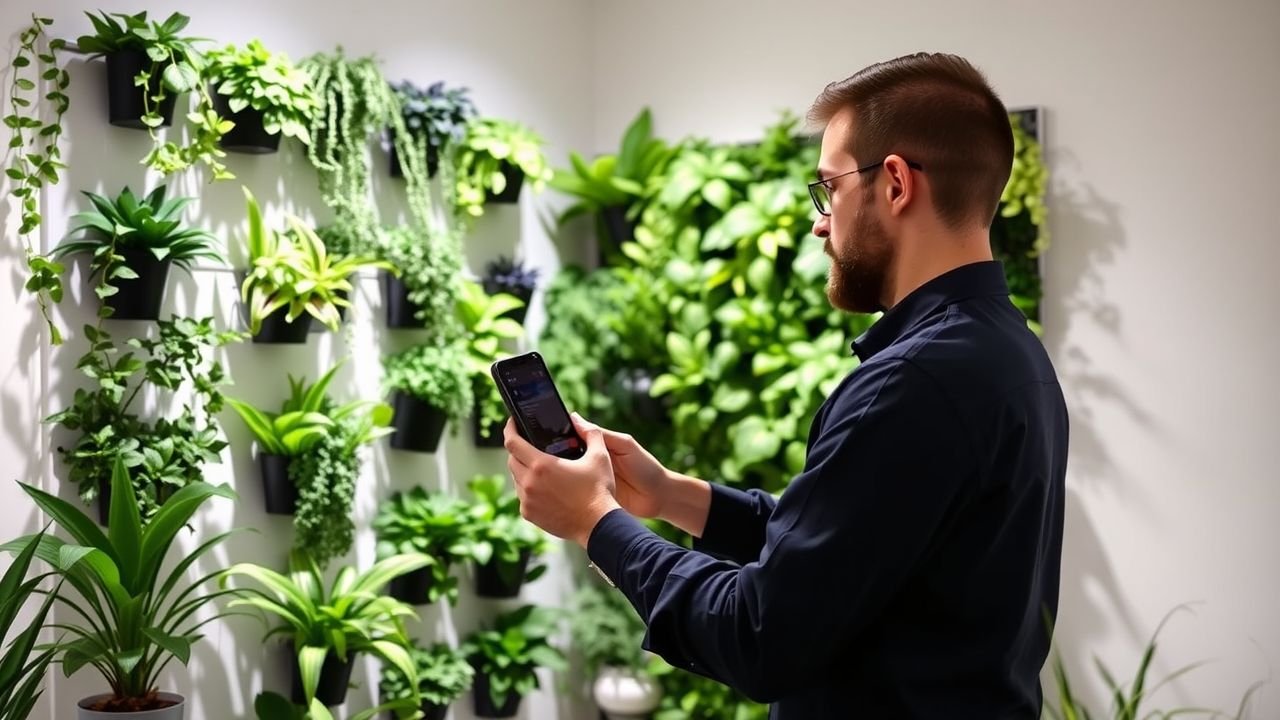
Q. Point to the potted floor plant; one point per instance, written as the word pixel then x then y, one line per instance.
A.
pixel 435 118
pixel 437 524
pixel 495 159
pixel 514 278
pixel 293 279
pixel 613 186
pixel 264 94
pixel 136 618
pixel 149 64
pixel 485 322
pixel 506 657
pixel 505 543
pixel 327 627
pixel 608 632
pixel 443 676
pixel 308 456
pixel 430 387
pixel 132 243
pixel 22 665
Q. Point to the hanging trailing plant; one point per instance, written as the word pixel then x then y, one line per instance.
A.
pixel 34 152
pixel 176 66
pixel 355 103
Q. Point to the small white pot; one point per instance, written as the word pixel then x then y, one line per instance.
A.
pixel 173 712
pixel 623 694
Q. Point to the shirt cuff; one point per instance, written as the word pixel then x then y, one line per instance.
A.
pixel 731 519
pixel 611 539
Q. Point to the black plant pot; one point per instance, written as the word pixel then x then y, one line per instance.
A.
pixel 524 293
pixel 335 676
pixel 401 313
pixel 617 229
pixel 495 439
pixel 279 494
pixel 515 181
pixel 432 711
pixel 433 158
pixel 418 424
pixel 484 703
pixel 413 588
pixel 125 101
pixel 248 136
pixel 342 309
pixel 139 298
pixel 496 579
pixel 277 329
pixel 104 502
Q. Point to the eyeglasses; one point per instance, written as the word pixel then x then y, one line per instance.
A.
pixel 820 190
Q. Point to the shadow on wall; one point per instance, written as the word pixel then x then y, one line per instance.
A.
pixel 1090 226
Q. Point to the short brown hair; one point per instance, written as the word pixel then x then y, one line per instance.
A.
pixel 937 110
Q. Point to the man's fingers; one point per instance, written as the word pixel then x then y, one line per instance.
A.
pixel 519 448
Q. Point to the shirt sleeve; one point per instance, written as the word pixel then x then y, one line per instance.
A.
pixel 736 522
pixel 841 542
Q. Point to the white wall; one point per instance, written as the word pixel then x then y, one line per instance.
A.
pixel 511 57
pixel 1160 290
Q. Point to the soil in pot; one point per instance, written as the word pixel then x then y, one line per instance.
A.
pixel 154 706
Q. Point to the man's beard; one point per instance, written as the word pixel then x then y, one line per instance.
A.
pixel 857 277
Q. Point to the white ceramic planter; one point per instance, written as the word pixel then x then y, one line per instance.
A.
pixel 624 694
pixel 173 712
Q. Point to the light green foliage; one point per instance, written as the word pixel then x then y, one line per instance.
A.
pixel 488 143
pixel 253 76
pixel 486 326
pixel 501 534
pixel 436 375
pixel 514 647
pixel 429 262
pixel 443 676
pixel 438 524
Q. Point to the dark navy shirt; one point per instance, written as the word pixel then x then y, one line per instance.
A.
pixel 908 570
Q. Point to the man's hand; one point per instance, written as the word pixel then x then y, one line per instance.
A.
pixel 641 480
pixel 564 497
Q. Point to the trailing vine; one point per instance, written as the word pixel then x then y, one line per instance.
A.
pixel 35 156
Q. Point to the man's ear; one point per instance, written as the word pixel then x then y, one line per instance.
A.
pixel 901 188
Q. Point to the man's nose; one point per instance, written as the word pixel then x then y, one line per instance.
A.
pixel 822 226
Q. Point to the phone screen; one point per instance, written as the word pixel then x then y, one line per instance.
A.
pixel 532 398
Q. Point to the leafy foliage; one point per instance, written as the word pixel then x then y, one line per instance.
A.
pixel 163 455
pixel 501 534
pixel 443 676
pixel 436 375
pixel 274 706
pixel 435 114
pixel 33 147
pixel 20 672
pixel 511 650
pixel 253 76
pixel 136 621
pixel 293 271
pixel 437 524
pixel 487 145
pixel 512 277
pixel 486 326
pixel 430 265
pixel 177 66
pixel 606 629
pixel 349 617
pixel 152 224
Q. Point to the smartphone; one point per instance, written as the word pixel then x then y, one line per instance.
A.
pixel 535 404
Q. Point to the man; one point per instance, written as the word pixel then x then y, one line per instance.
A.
pixel 908 570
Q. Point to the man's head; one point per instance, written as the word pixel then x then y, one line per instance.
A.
pixel 935 147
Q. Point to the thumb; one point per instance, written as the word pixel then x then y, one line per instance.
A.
pixel 591 433
pixel 582 424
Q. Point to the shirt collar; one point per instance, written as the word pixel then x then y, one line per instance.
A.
pixel 973 280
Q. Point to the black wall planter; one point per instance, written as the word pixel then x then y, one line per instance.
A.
pixel 125 101
pixel 524 293
pixel 248 136
pixel 495 439
pixel 496 579
pixel 401 313
pixel 515 181
pixel 432 711
pixel 335 676
pixel 484 703
pixel 414 587
pixel 617 229
pixel 279 493
pixel 419 425
pixel 277 329
pixel 139 298
pixel 433 158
